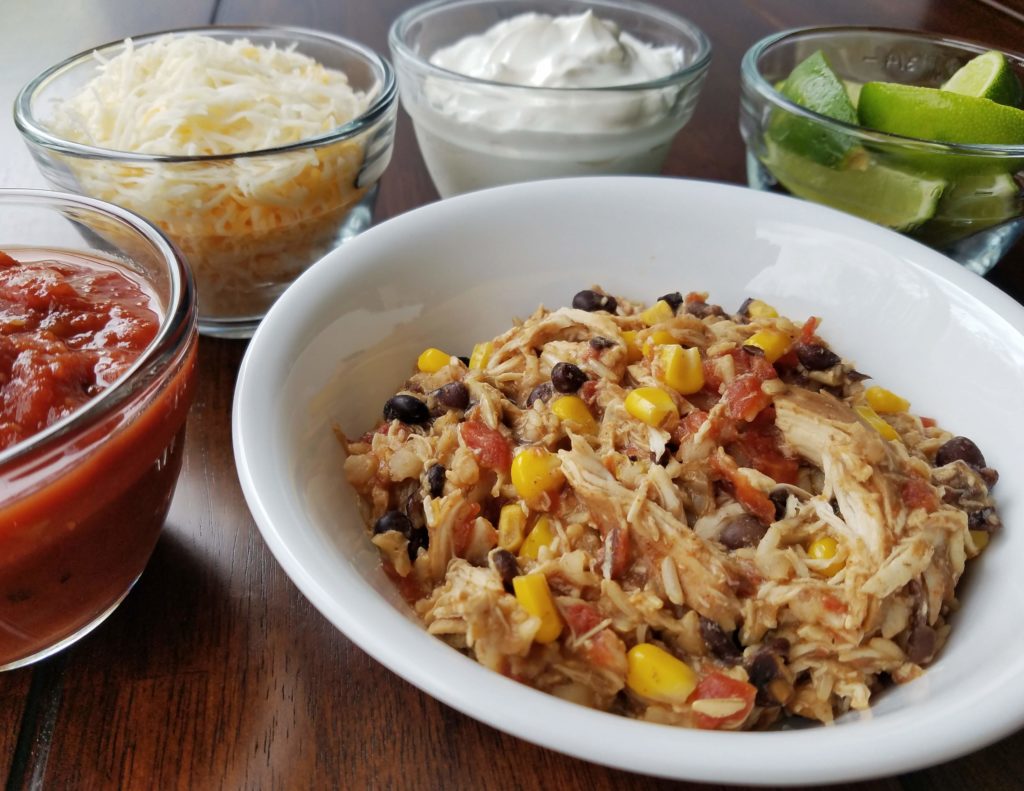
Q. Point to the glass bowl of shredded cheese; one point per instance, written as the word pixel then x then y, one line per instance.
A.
pixel 257 150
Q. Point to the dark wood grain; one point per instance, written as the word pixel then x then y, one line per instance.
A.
pixel 216 673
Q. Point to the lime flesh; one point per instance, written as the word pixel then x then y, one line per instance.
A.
pixel 942 116
pixel 884 195
pixel 813 84
pixel 987 76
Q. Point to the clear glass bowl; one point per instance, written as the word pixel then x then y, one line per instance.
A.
pixel 245 244
pixel 82 501
pixel 963 200
pixel 476 133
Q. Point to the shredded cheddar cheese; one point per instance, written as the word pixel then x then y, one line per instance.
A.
pixel 248 225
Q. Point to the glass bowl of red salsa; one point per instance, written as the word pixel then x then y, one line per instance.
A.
pixel 97 372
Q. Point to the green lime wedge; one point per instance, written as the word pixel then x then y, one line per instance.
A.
pixel 884 195
pixel 853 91
pixel 987 76
pixel 815 85
pixel 994 198
pixel 943 116
pixel 970 205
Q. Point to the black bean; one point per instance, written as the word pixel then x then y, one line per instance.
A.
pixel 453 395
pixel 599 343
pixel 674 300
pixel 435 480
pixel 464 361
pixel 414 510
pixel 505 566
pixel 567 378
pixel 409 409
pixel 763 666
pixel 720 644
pixel 420 539
pixel 592 301
pixel 393 520
pixel 984 519
pixel 815 357
pixel 921 644
pixel 702 309
pixel 962 449
pixel 744 530
pixel 856 376
pixel 779 498
pixel 745 308
pixel 542 392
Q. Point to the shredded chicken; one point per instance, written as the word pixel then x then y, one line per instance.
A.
pixel 790 550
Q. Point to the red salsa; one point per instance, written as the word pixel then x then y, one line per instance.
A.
pixel 79 517
pixel 68 329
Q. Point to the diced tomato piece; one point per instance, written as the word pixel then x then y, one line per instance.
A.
pixel 832 604
pixel 918 493
pixel 489 446
pixel 760 442
pixel 809 329
pixel 929 422
pixel 581 618
pixel 696 296
pixel 712 381
pixel 755 501
pixel 588 392
pixel 718 686
pixel 788 360
pixel 744 399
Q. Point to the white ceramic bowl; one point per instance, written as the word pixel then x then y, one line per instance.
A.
pixel 343 336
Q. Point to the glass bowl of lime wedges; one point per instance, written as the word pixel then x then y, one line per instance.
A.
pixel 918 132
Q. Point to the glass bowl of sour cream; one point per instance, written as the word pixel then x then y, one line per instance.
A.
pixel 501 91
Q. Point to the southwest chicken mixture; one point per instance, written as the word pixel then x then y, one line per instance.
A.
pixel 673 513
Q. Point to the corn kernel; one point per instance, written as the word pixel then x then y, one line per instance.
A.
pixel 980 539
pixel 825 548
pixel 534 596
pixel 655 339
pixel 536 471
pixel 481 354
pixel 432 360
pixel 573 409
pixel 655 674
pixel 871 417
pixel 773 343
pixel 652 405
pixel 540 536
pixel 658 312
pixel 511 527
pixel 633 352
pixel 681 369
pixel 757 309
pixel 884 401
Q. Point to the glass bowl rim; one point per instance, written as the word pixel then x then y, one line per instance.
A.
pixel 751 76
pixel 36 133
pixel 177 324
pixel 401 50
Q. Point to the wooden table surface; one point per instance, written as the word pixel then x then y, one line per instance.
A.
pixel 215 672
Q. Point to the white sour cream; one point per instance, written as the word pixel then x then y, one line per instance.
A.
pixel 558 52
pixel 515 119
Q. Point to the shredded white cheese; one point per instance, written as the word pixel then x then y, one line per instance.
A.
pixel 248 225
